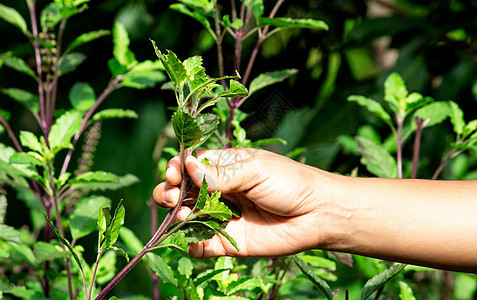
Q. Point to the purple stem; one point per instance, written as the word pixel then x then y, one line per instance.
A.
pixel 36 45
pixel 443 163
pixel 170 217
pixel 110 88
pixel 56 75
pixel 399 148
pixel 155 277
pixel 417 146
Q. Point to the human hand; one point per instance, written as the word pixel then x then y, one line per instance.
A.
pixel 277 196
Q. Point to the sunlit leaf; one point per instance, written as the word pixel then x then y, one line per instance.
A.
pixel 376 158
pixel 121 46
pixel 381 279
pixel 184 267
pixel 216 209
pixel 47 252
pixel 268 78
pixel 186 129
pixel 70 62
pixel 177 241
pixel 373 106
pixel 174 67
pixel 3 208
pixel 29 140
pixel 294 23
pixel 405 291
pixel 13 17
pixel 65 127
pixel 236 89
pixel 8 233
pixel 203 194
pixel 114 113
pixel 319 283
pixel 435 113
pixel 456 117
pixel 395 92
pixel 161 268
pixel 131 241
pixel 27 99
pixel 84 217
pixel 93 185
pixel 208 124
pixel 257 7
pixel 17 64
pixel 82 96
pixel 206 228
pixel 195 14
pixel 143 80
pixel 86 38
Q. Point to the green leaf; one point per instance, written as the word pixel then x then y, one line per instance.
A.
pixel 82 96
pixel 94 177
pixel 207 275
pixel 469 129
pixel 3 208
pixel 193 14
pixel 10 234
pixel 65 127
pixel 143 80
pixel 112 232
pixel 238 23
pixel 174 67
pixel 216 209
pixel 268 78
pixel 395 92
pixel 243 284
pixel 186 129
pixel 215 226
pixel 70 62
pixel 121 46
pixel 319 262
pixel 29 140
pixel 177 241
pixel 196 232
pixel 257 8
pixel 104 222
pixel 205 6
pixel 114 113
pixel 47 252
pixel 405 291
pixel 131 241
pixel 456 117
pixel 319 283
pixel 203 195
pixel 236 89
pixel 376 158
pixel 294 23
pixel 13 17
pixel 93 185
pixel 50 16
pixel 28 158
pixel 84 217
pixel 66 243
pixel 116 68
pixel 5 286
pixel 208 124
pixel 86 38
pixel 27 99
pixel 17 64
pixel 381 279
pixel 373 106
pixel 161 268
pixel 184 267
pixel 435 112
pixel 106 268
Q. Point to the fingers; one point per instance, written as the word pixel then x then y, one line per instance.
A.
pixel 232 172
pixel 173 171
pixel 166 195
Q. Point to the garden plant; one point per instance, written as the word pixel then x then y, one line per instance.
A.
pixel 73 243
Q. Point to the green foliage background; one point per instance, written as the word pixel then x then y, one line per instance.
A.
pixel 432 44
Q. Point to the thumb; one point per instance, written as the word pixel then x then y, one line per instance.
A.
pixel 235 177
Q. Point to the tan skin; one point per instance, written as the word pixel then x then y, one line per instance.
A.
pixel 288 207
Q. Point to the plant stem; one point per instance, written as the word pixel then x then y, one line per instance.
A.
pixel 443 163
pixel 109 89
pixel 98 257
pixel 399 147
pixel 417 146
pixel 155 277
pixel 36 46
pixel 220 55
pixel 11 134
pixel 55 68
pixel 123 272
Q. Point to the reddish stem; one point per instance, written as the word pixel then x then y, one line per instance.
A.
pixel 417 146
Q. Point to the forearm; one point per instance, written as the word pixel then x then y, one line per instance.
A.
pixel 431 223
